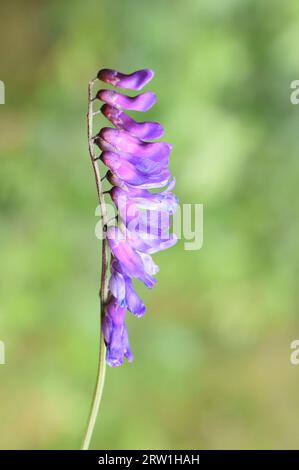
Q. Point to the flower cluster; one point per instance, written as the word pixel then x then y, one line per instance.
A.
pixel 136 166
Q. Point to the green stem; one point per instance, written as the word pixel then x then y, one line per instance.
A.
pixel 98 392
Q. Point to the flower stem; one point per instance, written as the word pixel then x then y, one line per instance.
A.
pixel 104 276
pixel 98 392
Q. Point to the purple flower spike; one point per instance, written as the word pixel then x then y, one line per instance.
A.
pixel 142 102
pixel 135 166
pixel 142 130
pixel 133 81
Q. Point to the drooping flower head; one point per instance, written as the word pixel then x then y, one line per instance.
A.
pixel 136 166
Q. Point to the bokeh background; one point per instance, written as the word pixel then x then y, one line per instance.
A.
pixel 212 356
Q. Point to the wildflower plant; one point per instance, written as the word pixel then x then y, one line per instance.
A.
pixel 141 189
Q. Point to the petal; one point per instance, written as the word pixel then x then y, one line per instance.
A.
pixel 164 201
pixel 150 225
pixel 154 223
pixel 133 301
pixel 160 245
pixel 133 81
pixel 124 142
pixel 134 165
pixel 127 209
pixel 144 182
pixel 142 161
pixel 151 175
pixel 142 102
pixel 149 241
pixel 126 344
pixel 136 192
pixel 130 261
pixel 117 287
pixel 142 130
pixel 150 267
pixel 115 334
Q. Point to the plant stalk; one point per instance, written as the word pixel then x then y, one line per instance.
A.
pixel 98 392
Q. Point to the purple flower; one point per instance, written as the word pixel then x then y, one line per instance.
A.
pixel 144 182
pixel 127 144
pixel 142 130
pixel 146 216
pixel 115 334
pixel 122 289
pixel 140 174
pixel 135 166
pixel 130 260
pixel 133 81
pixel 143 199
pixel 142 102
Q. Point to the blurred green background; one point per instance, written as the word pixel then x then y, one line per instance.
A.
pixel 212 366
